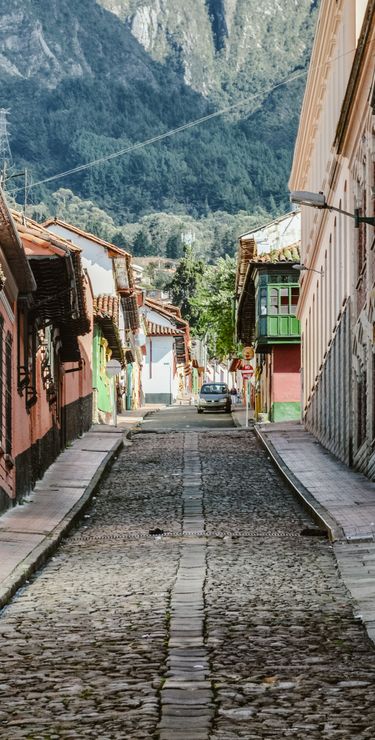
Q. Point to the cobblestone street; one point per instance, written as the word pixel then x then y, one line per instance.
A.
pixel 190 604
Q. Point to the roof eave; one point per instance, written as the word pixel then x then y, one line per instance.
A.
pixel 13 250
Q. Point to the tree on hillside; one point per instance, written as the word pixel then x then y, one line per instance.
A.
pixel 214 302
pixel 185 284
pixel 142 245
pixel 174 247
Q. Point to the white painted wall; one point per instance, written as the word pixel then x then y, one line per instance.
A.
pixel 157 318
pixel 157 371
pixel 94 259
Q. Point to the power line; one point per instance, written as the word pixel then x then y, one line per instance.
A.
pixel 167 134
pixel 179 129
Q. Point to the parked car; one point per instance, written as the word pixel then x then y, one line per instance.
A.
pixel 214 397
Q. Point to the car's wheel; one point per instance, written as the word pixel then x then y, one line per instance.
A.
pixel 228 409
pixel 200 411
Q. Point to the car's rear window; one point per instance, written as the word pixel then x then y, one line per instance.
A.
pixel 214 388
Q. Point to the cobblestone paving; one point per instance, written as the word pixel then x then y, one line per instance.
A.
pixel 95 647
pixel 83 648
pixel 287 657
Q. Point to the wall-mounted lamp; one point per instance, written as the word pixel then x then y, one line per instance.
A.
pixel 318 200
pixel 302 268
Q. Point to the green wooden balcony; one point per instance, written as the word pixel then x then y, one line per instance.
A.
pixel 277 330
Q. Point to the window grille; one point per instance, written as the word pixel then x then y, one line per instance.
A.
pixel 361 409
pixel 8 394
pixel 1 375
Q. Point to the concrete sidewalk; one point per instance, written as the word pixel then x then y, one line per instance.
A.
pixel 345 498
pixel 340 499
pixel 239 415
pixel 31 531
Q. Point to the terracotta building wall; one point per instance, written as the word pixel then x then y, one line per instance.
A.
pixel 78 386
pixel 7 472
pixel 41 433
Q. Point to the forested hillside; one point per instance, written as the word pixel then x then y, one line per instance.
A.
pixel 82 80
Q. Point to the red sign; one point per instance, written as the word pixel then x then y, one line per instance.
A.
pixel 245 368
pixel 247 373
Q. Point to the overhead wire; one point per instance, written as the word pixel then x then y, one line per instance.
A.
pixel 172 132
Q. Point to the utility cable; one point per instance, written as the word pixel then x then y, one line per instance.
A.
pixel 179 129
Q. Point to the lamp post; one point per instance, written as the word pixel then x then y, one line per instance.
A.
pixel 302 268
pixel 168 364
pixel 318 200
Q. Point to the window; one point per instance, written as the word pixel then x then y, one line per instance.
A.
pixel 294 295
pixel 282 301
pixel 1 375
pixel 8 395
pixel 263 301
pixel 273 305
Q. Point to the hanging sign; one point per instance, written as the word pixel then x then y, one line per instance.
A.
pixel 248 353
pixel 112 368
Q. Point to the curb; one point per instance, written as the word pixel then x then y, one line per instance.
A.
pixel 320 515
pixel 45 549
pixel 238 424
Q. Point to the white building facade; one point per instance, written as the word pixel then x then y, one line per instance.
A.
pixel 334 155
pixel 159 372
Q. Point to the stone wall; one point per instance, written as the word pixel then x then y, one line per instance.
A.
pixel 33 462
pixel 77 418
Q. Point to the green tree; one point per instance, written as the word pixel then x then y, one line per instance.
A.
pixel 142 245
pixel 173 247
pixel 214 302
pixel 185 284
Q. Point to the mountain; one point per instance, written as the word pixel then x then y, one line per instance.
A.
pixel 85 78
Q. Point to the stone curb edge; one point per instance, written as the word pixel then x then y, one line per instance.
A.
pixel 316 510
pixel 238 424
pixel 236 421
pixel 41 553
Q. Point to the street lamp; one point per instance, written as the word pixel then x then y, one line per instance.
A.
pixel 302 268
pixel 318 200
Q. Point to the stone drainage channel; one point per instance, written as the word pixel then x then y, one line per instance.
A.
pixel 187 705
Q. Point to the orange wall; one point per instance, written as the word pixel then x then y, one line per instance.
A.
pixel 29 427
pixel 79 384
pixel 7 474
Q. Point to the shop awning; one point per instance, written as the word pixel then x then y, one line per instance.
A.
pixel 235 364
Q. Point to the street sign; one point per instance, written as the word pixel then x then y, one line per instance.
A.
pixel 245 367
pixel 248 353
pixel 248 373
pixel 112 368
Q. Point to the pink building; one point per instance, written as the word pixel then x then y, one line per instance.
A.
pixel 45 360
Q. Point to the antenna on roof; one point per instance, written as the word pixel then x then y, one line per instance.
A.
pixel 5 152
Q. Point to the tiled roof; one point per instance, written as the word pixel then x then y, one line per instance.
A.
pixel 106 314
pixel 107 305
pixel 166 309
pixel 286 254
pixel 31 231
pixel 246 252
pixel 156 330
pixel 86 235
pixel 13 249
pixel 131 312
